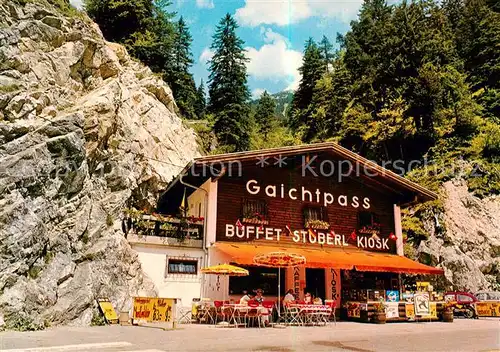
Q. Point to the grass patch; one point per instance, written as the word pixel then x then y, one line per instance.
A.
pixel 109 220
pixel 22 322
pixel 97 319
pixel 9 88
pixel 33 272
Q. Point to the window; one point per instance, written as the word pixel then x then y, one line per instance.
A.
pixel 313 213
pixel 368 222
pixel 182 266
pixel 316 216
pixel 259 277
pixel 365 218
pixel 464 298
pixel 254 209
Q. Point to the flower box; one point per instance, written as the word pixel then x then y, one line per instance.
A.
pixel 317 225
pixel 255 221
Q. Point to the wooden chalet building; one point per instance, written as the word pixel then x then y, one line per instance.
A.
pixel 339 210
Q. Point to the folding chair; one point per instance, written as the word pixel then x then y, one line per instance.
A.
pixel 269 305
pixel 219 311
pixel 333 305
pixel 240 313
pixel 295 316
pixel 205 312
pixel 252 314
pixel 184 315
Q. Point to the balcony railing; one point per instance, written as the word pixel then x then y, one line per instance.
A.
pixel 181 228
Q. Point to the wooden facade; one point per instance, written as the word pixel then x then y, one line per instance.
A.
pixel 343 215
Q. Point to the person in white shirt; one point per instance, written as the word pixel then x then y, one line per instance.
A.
pixel 289 297
pixel 247 297
pixel 308 298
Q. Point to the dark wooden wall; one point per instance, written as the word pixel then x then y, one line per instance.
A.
pixel 284 211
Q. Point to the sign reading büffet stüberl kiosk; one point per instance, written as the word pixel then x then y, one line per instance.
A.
pixel 250 233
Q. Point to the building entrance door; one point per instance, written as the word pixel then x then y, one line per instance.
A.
pixel 315 282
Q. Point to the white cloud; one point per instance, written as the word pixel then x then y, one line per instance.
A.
pixel 206 55
pixel 257 92
pixel 285 12
pixel 77 3
pixel 274 60
pixel 280 12
pixel 205 4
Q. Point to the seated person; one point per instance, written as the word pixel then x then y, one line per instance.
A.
pixel 289 297
pixel 247 297
pixel 308 298
pixel 317 300
pixel 258 297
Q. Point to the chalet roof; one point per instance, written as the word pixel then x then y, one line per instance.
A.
pixel 330 147
pixel 380 176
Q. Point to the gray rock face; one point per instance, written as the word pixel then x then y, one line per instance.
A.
pixel 469 248
pixel 83 127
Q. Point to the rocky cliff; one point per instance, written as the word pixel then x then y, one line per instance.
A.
pixel 84 131
pixel 464 239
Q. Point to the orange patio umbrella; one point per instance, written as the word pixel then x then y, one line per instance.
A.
pixel 279 260
pixel 226 270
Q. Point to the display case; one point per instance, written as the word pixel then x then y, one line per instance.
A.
pixel 363 295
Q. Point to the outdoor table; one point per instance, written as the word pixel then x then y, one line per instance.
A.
pixel 206 313
pixel 313 313
pixel 236 311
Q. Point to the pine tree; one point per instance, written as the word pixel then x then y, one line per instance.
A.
pixel 182 47
pixel 453 10
pixel 312 69
pixel 180 79
pixel 228 89
pixel 143 26
pixel 201 101
pixel 326 52
pixel 331 97
pixel 478 40
pixel 265 114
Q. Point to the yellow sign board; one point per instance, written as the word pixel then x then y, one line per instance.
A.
pixel 433 310
pixel 353 310
pixel 410 310
pixel 107 310
pixel 153 309
pixel 422 285
pixel 488 309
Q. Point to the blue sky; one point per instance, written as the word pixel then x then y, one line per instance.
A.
pixel 274 32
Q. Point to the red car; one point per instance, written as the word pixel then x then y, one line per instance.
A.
pixel 464 303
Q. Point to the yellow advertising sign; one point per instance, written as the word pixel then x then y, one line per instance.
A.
pixel 353 310
pixel 488 309
pixel 152 309
pixel 422 285
pixel 410 311
pixel 433 310
pixel 107 310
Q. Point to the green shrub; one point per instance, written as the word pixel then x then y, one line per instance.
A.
pixel 487 142
pixel 22 322
pixel 9 88
pixel 109 220
pixel 97 319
